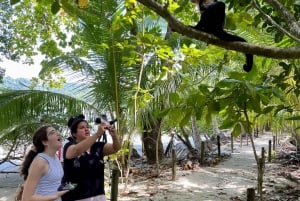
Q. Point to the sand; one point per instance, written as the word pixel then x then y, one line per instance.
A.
pixel 8 185
pixel 228 180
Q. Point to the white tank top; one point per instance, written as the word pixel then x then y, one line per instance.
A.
pixel 49 183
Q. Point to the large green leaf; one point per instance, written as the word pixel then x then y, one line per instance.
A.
pixel 55 7
pixel 13 2
pixel 237 130
pixel 33 108
pixel 294 118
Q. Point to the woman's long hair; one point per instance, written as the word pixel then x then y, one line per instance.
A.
pixel 39 136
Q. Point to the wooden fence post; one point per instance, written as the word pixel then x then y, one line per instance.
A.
pixel 241 137
pixel 219 145
pixel 114 184
pixel 231 142
pixel 260 174
pixel 173 164
pixel 250 194
pixel 270 151
pixel 202 153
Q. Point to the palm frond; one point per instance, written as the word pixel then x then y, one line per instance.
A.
pixel 27 106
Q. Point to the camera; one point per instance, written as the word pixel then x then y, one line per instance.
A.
pixel 67 187
pixel 103 118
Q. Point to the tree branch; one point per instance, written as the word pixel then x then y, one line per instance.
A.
pixel 270 19
pixel 287 16
pixel 265 51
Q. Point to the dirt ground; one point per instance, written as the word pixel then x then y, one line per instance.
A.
pixel 226 181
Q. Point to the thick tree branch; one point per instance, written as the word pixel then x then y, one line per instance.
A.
pixel 266 51
pixel 270 19
pixel 287 16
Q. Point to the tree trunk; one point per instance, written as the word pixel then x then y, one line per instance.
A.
pixel 152 140
pixel 195 134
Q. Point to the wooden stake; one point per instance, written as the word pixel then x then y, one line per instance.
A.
pixel 173 164
pixel 114 184
pixel 250 194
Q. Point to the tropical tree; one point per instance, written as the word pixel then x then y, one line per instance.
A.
pixel 124 56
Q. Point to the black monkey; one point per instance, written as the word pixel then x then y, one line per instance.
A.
pixel 212 21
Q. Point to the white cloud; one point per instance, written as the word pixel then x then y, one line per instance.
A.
pixel 19 70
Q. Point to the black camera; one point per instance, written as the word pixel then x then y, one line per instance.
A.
pixel 103 117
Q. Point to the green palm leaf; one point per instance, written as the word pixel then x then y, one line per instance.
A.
pixel 28 109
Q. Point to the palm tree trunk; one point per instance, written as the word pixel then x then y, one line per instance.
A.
pixel 153 146
pixel 195 134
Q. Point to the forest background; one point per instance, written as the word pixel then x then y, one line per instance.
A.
pixel 140 62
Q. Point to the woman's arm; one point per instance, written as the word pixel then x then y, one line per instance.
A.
pixel 115 146
pixel 77 149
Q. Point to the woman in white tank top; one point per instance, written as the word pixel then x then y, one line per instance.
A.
pixel 41 168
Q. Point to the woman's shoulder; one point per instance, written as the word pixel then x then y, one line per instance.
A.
pixel 39 163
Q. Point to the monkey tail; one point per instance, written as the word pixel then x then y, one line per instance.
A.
pixel 249 63
pixel 230 37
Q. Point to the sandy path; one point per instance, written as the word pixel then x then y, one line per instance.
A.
pixel 223 182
